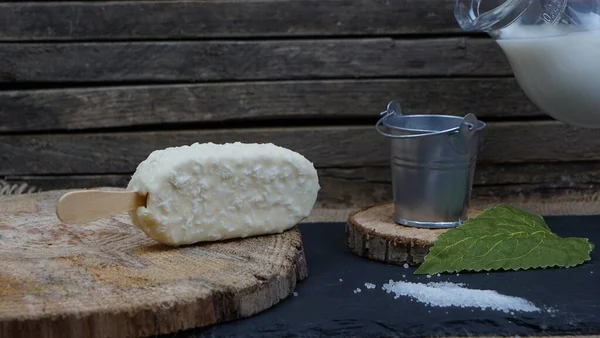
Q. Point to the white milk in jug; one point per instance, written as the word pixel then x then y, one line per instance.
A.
pixel 558 70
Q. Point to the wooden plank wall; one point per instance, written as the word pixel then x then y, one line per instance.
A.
pixel 88 89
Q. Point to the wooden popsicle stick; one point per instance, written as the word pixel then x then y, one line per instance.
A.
pixel 89 205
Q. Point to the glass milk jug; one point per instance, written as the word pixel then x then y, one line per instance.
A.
pixel 553 47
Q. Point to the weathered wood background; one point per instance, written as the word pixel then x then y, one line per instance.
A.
pixel 89 89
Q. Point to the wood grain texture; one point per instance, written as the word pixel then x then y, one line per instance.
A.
pixel 127 106
pixel 341 195
pixel 249 60
pixel 543 200
pixel 95 153
pixel 567 189
pixel 64 182
pixel 544 188
pixel 372 233
pixel 130 20
pixel 528 183
pixel 552 174
pixel 107 279
pixel 557 175
pixel 553 202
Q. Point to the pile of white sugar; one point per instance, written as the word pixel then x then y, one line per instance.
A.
pixel 445 294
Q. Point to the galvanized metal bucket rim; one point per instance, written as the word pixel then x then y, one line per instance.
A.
pixel 394 111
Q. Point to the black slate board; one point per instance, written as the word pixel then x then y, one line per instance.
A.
pixel 327 307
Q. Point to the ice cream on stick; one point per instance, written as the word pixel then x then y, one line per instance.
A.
pixel 208 192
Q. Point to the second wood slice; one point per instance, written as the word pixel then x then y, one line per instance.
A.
pixel 372 233
pixel 108 279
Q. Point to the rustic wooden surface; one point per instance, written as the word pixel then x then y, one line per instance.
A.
pixel 95 62
pixel 310 75
pixel 88 88
pixel 545 176
pixel 543 188
pixel 235 103
pixel 180 19
pixel 371 232
pixel 121 152
pixel 107 279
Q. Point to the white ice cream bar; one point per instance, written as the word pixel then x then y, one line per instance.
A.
pixel 210 192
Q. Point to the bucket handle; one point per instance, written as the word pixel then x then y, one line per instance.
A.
pixel 461 140
pixel 393 108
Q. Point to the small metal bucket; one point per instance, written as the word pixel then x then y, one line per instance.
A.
pixel 433 159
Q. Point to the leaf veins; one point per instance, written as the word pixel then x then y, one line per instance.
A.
pixel 503 238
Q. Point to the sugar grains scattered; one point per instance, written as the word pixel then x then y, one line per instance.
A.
pixel 370 285
pixel 445 294
pixel 405 266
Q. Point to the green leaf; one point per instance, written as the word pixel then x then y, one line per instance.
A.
pixel 503 238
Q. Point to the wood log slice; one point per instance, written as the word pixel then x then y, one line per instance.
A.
pixel 107 279
pixel 372 233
